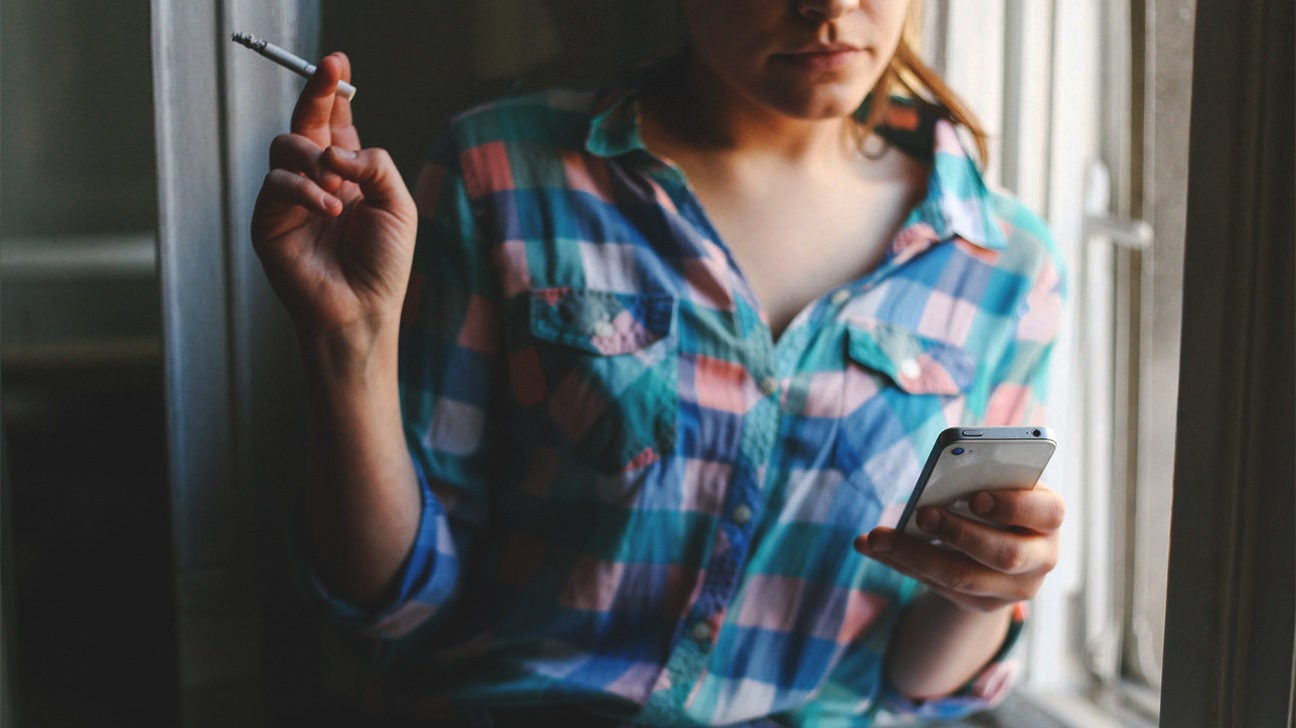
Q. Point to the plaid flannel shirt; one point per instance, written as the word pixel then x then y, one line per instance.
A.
pixel 633 496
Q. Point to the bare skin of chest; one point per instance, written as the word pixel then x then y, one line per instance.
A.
pixel 797 234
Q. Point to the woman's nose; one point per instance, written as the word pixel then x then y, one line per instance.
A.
pixel 825 9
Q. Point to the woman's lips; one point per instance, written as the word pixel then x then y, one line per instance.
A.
pixel 824 60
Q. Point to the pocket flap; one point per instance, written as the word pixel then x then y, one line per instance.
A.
pixel 601 322
pixel 916 364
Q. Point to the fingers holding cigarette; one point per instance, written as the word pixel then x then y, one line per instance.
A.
pixel 296 64
pixel 317 180
pixel 321 115
pixel 323 111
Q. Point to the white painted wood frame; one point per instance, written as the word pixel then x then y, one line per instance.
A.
pixel 233 406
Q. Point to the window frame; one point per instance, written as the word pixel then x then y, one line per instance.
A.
pixel 1230 655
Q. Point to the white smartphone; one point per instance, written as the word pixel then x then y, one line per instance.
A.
pixel 967 460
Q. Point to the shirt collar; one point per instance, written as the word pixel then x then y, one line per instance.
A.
pixel 958 201
pixel 614 130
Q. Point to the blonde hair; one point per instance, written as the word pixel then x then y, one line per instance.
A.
pixel 908 72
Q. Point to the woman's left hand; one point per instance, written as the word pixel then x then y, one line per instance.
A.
pixel 978 567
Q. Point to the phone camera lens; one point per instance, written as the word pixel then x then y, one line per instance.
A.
pixel 957 451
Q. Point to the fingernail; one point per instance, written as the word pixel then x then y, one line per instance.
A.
pixel 880 541
pixel 929 520
pixel 344 153
pixel 982 503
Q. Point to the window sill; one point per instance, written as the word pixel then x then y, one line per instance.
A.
pixel 1069 710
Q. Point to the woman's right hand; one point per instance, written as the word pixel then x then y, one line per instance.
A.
pixel 334 224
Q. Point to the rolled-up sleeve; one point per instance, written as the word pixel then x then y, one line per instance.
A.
pixel 983 691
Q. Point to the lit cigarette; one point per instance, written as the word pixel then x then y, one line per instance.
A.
pixel 300 66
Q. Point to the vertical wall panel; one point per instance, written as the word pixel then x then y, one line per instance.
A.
pixel 269 417
pixel 1027 100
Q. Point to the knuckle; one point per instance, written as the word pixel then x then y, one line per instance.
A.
pixel 1057 513
pixel 951 531
pixel 1010 509
pixel 960 581
pixel 279 147
pixel 1049 563
pixel 292 151
pixel 277 180
pixel 1011 558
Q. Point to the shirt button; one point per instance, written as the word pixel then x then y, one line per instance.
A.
pixel 769 385
pixel 604 329
pixel 701 632
pixel 909 369
pixel 742 513
pixel 840 297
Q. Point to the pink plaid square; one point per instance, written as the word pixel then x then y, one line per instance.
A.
pixel 723 385
pixel 486 169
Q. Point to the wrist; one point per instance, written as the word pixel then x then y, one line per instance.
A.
pixel 938 602
pixel 940 645
pixel 353 353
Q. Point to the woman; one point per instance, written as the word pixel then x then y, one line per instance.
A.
pixel 605 434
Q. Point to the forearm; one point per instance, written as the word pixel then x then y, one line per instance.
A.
pixel 362 502
pixel 939 646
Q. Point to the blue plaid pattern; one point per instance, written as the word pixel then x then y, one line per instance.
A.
pixel 634 497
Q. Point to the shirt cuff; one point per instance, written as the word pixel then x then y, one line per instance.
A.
pixel 424 583
pixel 983 691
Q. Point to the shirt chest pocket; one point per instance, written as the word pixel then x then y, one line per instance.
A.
pixel 916 372
pixel 898 383
pixel 610 365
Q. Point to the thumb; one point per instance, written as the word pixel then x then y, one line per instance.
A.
pixel 373 171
